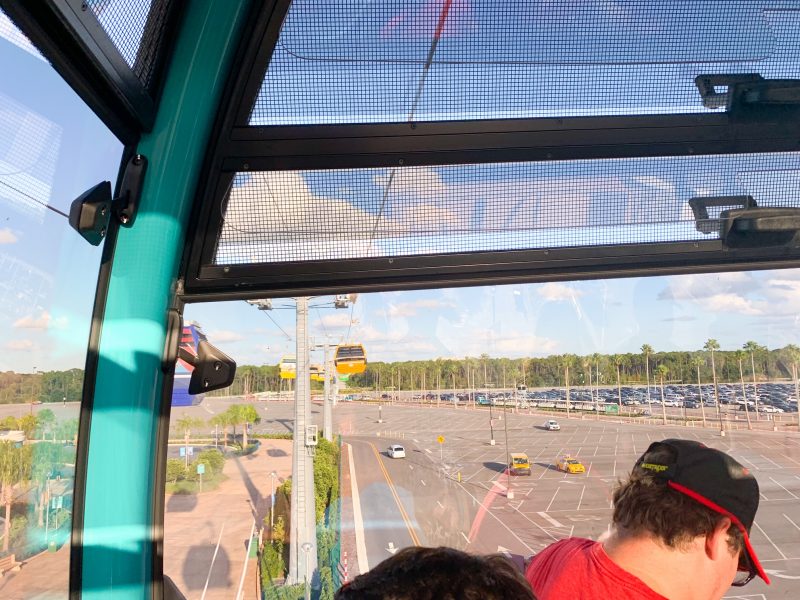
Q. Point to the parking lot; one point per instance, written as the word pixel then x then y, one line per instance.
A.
pixel 548 505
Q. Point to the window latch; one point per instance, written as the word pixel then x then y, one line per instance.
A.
pixel 759 227
pixel 735 92
pixel 704 222
pixel 91 212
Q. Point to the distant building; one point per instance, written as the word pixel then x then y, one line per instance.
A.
pixel 190 340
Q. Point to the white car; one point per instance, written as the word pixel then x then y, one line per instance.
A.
pixel 396 451
pixel 552 425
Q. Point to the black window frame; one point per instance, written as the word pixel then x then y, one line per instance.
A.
pixel 239 147
pixel 71 38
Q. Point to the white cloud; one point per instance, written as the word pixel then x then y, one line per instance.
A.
pixel 419 182
pixel 409 349
pixel 338 320
pixel 225 335
pixel 285 220
pixel 412 309
pixel 20 345
pixel 697 287
pixel 730 303
pixel 7 236
pixel 42 322
pixel 555 292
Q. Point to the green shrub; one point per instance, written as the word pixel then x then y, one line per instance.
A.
pixel 272 565
pixel 213 460
pixel 176 470
pixel 288 592
pixel 326 584
pixel 326 476
pixel 272 436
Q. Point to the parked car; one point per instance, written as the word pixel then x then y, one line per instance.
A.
pixel 570 465
pixel 552 425
pixel 520 464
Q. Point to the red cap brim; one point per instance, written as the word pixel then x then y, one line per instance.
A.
pixel 734 519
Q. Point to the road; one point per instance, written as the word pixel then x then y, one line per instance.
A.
pixel 422 493
pixel 456 494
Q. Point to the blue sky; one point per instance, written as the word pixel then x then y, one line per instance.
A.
pixel 609 316
pixel 52 148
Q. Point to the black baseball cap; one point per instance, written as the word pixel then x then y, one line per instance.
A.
pixel 710 477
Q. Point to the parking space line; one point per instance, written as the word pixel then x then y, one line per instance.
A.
pixel 552 499
pixel 485 510
pixel 784 489
pixel 792 522
pixel 772 461
pixel 465 537
pixel 770 540
pixel 581 498
pixel 791 459
pixel 550 520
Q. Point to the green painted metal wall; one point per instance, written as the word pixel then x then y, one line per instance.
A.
pixel 119 487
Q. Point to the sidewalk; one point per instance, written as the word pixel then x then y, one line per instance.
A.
pixel 206 535
pixel 348 534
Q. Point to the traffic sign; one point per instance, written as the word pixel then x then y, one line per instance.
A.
pixel 201 468
pixel 440 439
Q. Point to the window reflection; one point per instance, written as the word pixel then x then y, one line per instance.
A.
pixel 51 148
pixel 486 419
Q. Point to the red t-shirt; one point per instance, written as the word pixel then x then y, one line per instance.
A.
pixel 580 569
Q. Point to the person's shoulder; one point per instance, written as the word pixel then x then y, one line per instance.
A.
pixel 562 549
pixel 570 544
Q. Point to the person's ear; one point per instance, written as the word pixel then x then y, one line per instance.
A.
pixel 717 540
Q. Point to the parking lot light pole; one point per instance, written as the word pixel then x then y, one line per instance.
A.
pixel 509 493
pixel 491 422
pixel 272 476
pixel 307 548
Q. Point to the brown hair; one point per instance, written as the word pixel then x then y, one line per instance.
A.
pixel 418 573
pixel 647 505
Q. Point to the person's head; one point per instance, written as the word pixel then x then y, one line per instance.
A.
pixel 692 498
pixel 418 573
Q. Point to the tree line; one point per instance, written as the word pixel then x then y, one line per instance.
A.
pixel 635 368
pixel 44 386
pixel 630 368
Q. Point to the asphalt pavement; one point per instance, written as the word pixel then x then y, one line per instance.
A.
pixel 456 494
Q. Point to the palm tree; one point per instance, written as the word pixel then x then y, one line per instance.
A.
pixel 647 350
pixel 567 360
pixel 14 467
pixel 662 370
pixel 712 346
pixel 596 359
pixel 246 414
pixel 753 348
pixel 617 360
pixel 586 362
pixel 222 420
pixel 698 362
pixel 186 424
pixel 740 355
pixel 792 353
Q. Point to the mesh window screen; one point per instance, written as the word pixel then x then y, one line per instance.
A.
pixel 136 28
pixel 273 217
pixel 370 61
